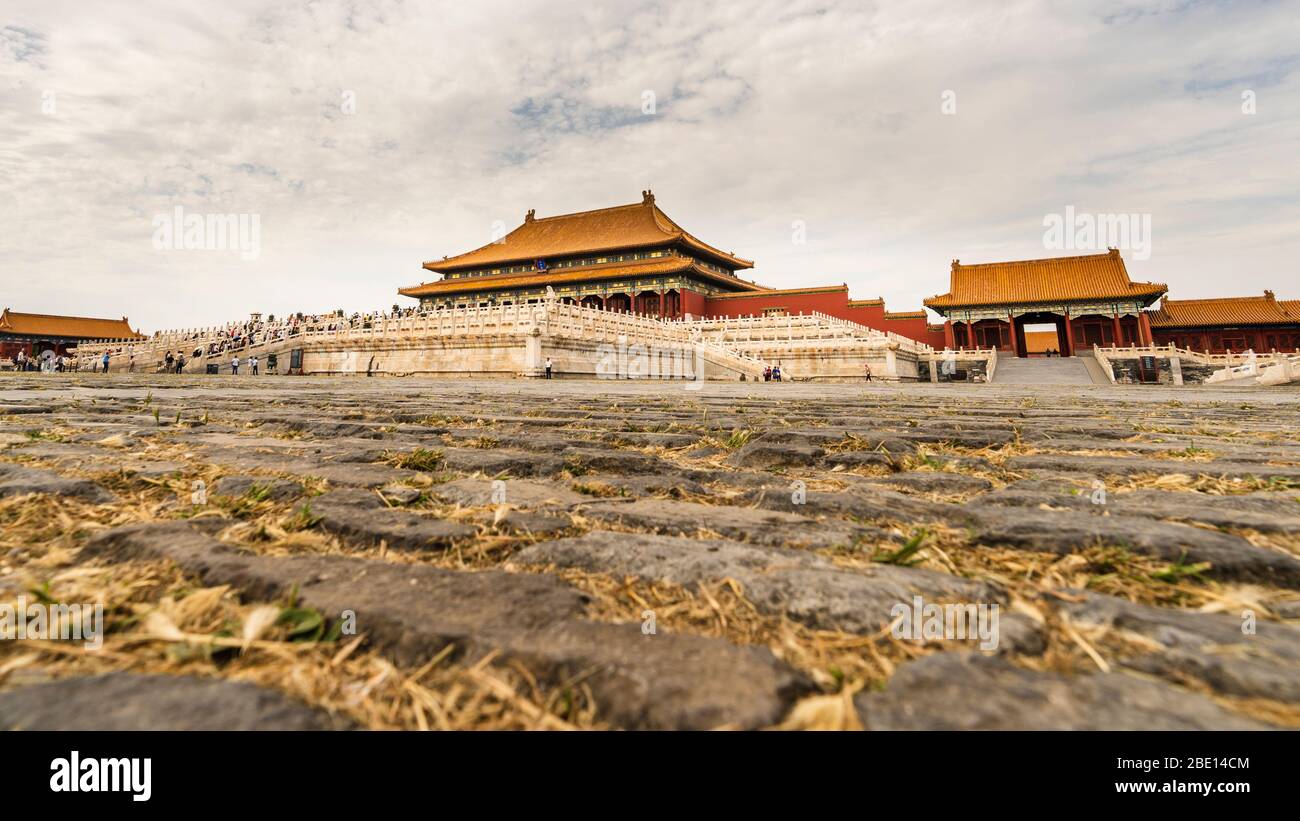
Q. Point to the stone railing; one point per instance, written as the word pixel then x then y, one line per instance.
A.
pixel 1279 369
pixel 797 331
pixel 1229 366
pixel 588 323
pixel 1283 372
pixel 935 358
pixel 738 342
pixel 493 320
pixel 1198 357
pixel 149 353
pixel 857 329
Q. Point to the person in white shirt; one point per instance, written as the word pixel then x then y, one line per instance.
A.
pixel 234 366
pixel 252 365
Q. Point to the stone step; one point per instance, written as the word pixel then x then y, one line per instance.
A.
pixel 1013 370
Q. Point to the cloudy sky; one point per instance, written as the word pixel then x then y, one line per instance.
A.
pixel 367 137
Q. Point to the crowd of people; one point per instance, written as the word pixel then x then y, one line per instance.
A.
pixel 46 362
pixel 239 335
pixel 231 339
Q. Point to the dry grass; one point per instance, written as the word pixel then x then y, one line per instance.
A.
pixel 159 621
pixel 156 621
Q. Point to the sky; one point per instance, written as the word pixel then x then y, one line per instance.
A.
pixel 832 142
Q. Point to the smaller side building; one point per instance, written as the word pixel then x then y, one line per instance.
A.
pixel 1240 323
pixel 33 334
pixel 1064 304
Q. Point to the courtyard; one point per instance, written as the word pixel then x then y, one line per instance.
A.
pixel 297 553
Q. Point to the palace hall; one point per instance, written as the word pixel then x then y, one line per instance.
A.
pixel 635 258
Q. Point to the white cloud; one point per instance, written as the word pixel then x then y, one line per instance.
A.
pixel 766 113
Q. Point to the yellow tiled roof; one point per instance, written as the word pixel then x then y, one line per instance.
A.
pixel 905 314
pixel 1055 279
pixel 822 289
pixel 618 270
pixel 73 327
pixel 639 225
pixel 1235 310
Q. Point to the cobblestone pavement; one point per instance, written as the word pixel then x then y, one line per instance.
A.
pixel 313 553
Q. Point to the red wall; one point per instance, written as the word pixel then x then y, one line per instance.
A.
pixel 917 328
pixel 833 302
pixel 828 302
pixel 693 303
pixel 9 348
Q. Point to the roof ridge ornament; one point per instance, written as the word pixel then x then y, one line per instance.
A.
pixel 531 215
pixel 647 197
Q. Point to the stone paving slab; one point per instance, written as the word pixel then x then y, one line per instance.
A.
pixel 795 583
pixel 966 691
pixel 1213 647
pixel 745 524
pixel 1230 556
pixel 414 611
pixel 16 480
pixel 362 516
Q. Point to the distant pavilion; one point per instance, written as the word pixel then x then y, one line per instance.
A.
pixel 1089 299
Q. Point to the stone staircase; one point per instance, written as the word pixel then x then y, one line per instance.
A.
pixel 1067 370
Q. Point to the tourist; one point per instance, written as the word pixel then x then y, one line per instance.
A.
pixel 105 361
pixel 776 372
pixel 548 367
pixel 866 368
pixel 180 362
pixel 234 365
pixel 252 365
pixel 170 362
pixel 20 363
pixel 767 373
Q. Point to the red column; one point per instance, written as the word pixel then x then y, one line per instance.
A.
pixel 1015 344
pixel 662 307
pixel 1144 327
pixel 948 339
pixel 1069 335
pixel 1119 331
